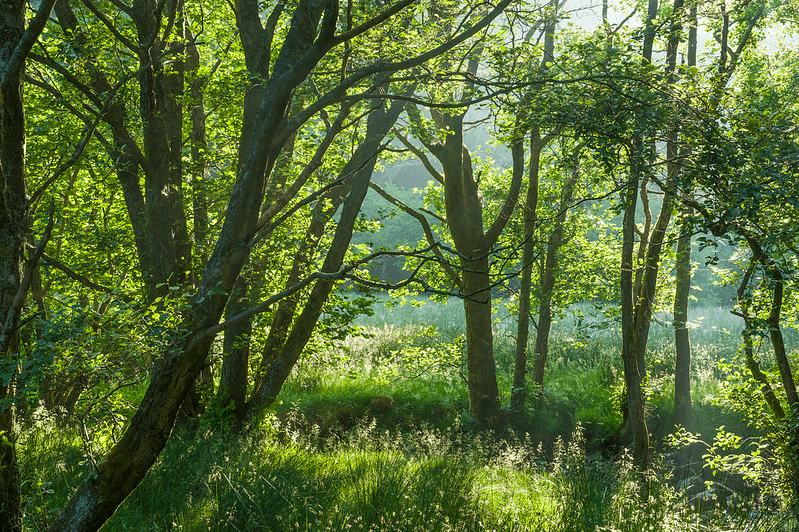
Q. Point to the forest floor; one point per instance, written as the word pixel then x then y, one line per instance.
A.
pixel 374 434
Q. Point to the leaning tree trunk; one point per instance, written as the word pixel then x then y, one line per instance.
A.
pixel 774 276
pixel 268 385
pixel 131 457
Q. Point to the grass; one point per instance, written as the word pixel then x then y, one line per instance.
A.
pixel 373 481
pixel 376 436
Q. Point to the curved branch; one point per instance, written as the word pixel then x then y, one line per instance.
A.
pixel 428 232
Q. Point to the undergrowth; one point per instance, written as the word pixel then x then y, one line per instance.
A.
pixel 376 436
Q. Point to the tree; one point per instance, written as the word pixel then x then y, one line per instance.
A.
pixel 682 337
pixel 747 194
pixel 311 33
pixel 18 37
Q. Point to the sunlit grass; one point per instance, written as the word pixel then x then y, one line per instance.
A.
pixel 376 435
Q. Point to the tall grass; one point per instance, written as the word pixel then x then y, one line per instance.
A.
pixel 375 436
pixel 277 479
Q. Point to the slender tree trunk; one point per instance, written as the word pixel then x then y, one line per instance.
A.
pixel 236 348
pixel 749 331
pixel 549 276
pixel 774 328
pixel 172 80
pixel 775 277
pixel 537 143
pixel 165 220
pixel 286 310
pixel 519 391
pixel 682 336
pixel 379 123
pixel 199 146
pixel 636 432
pixel 682 364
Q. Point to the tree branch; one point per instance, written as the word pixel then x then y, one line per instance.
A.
pixel 428 232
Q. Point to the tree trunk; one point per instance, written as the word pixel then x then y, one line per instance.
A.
pixel 636 432
pixel 362 163
pixel 775 330
pixel 519 390
pixel 165 220
pixel 286 310
pixel 463 204
pixel 131 457
pixel 481 368
pixel 682 336
pixel 775 277
pixel 14 226
pixel 14 230
pixel 236 349
pixel 749 331
pixel 549 276
pixel 682 364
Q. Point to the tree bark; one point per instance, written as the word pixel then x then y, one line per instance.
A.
pixel 16 41
pixel 157 215
pixel 481 368
pixel 464 210
pixel 236 349
pixel 165 219
pixel 362 163
pixel 636 432
pixel 14 227
pixel 128 461
pixel 199 146
pixel 682 337
pixel 549 276
pixel 537 143
pixel 519 391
